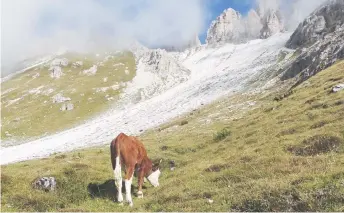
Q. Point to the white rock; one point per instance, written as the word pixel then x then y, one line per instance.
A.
pixel 45 183
pixel 77 64
pixel 338 88
pixel 36 75
pixel 59 62
pixel 91 71
pixel 58 98
pixel 68 106
pixel 127 72
pixel 105 79
pixel 55 72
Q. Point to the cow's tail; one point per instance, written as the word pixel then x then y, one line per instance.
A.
pixel 115 153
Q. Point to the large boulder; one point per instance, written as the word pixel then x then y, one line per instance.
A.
pixel 58 98
pixel 55 72
pixel 45 183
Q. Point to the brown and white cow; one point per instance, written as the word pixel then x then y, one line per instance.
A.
pixel 129 152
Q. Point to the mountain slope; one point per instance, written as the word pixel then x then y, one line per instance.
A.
pixel 32 100
pixel 214 72
pixel 318 40
pixel 239 154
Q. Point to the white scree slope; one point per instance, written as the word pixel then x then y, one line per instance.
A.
pixel 214 72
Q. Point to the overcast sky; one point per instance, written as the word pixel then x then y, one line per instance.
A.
pixel 33 27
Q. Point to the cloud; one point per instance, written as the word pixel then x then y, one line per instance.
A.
pixel 35 27
pixel 294 11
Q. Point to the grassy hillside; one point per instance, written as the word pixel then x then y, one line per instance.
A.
pixel 247 153
pixel 26 100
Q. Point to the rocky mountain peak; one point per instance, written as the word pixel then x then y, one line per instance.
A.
pixel 231 27
pixel 326 19
pixel 272 22
pixel 225 28
pixel 319 40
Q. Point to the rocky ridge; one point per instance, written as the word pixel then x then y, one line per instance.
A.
pixel 318 41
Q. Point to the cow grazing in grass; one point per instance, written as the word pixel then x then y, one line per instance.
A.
pixel 129 152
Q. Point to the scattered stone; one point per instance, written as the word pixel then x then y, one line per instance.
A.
pixel 67 107
pixel 59 62
pixel 105 79
pixel 338 88
pixel 16 120
pixel 35 75
pixel 58 98
pixel 172 165
pixel 126 72
pixel 91 71
pixel 115 87
pixel 45 183
pixel 164 148
pixel 70 106
pixel 55 72
pixel 63 107
pixel 77 64
pixel 7 134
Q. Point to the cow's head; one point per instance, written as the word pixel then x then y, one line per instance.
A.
pixel 153 178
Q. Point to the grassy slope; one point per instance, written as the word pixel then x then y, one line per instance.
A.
pixel 248 170
pixel 38 118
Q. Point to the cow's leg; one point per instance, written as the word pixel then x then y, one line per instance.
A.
pixel 118 180
pixel 140 179
pixel 128 181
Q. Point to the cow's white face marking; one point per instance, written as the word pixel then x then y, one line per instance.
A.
pixel 154 178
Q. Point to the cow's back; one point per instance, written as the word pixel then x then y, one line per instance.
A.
pixel 130 149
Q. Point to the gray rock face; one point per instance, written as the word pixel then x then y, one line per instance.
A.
pixel 45 183
pixel 231 27
pixel 319 40
pixel 326 19
pixel 226 27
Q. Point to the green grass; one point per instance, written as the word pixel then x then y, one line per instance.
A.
pixel 36 115
pixel 252 169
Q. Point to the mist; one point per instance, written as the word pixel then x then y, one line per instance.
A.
pixel 35 27
pixel 293 11
pixel 31 28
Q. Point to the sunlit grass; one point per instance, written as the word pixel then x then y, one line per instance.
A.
pixel 250 169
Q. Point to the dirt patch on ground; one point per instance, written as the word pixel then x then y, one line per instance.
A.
pixel 274 201
pixel 315 145
pixel 318 124
pixel 217 167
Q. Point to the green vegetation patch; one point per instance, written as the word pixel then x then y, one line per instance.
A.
pixel 27 105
